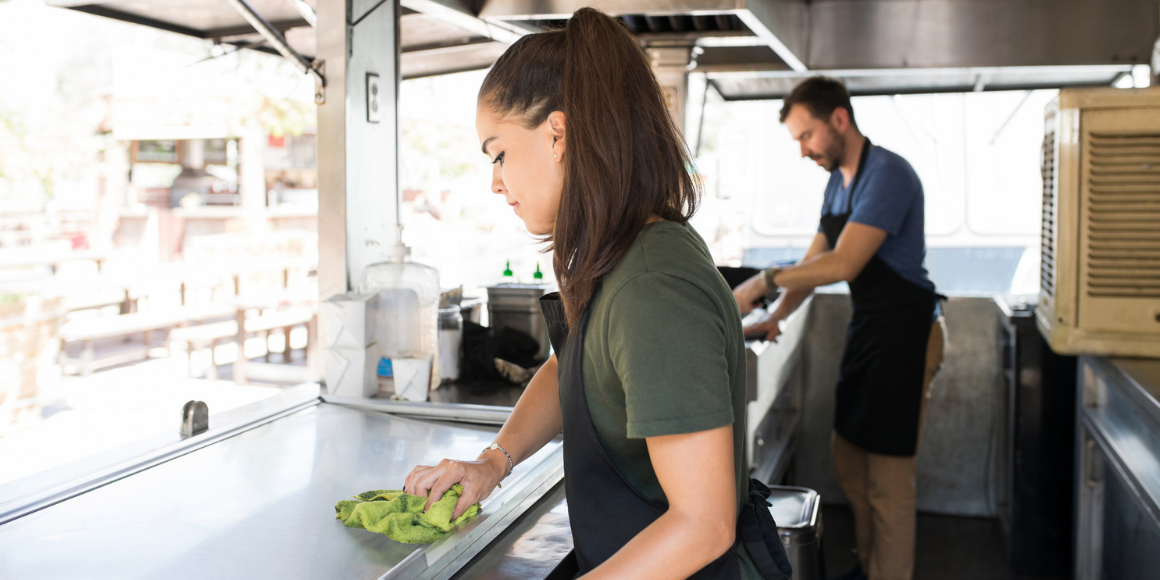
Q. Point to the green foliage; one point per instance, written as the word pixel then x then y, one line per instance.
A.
pixel 286 117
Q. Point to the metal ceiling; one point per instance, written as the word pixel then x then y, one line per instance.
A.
pixel 438 40
pixel 760 85
pixel 749 48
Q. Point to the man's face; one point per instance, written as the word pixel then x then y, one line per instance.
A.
pixel 819 140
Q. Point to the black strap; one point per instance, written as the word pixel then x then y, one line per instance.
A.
pixel 758 531
pixel 858 174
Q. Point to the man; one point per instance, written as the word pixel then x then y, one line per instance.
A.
pixel 871 235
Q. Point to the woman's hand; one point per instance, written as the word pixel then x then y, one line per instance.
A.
pixel 749 292
pixel 478 478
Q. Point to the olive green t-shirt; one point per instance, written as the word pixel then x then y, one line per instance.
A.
pixel 664 355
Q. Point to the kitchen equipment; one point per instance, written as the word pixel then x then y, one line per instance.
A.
pixel 1099 289
pixel 450 340
pixel 517 306
pixel 1036 457
pixel 1117 475
pixel 798 513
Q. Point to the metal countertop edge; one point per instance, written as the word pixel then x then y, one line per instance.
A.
pixel 60 493
pixel 550 473
pixel 1120 466
pixel 1129 385
pixel 458 412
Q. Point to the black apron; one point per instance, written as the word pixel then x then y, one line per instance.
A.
pixel 880 382
pixel 605 511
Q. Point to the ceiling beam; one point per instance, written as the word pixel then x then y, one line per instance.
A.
pixel 100 10
pixel 248 29
pixel 460 15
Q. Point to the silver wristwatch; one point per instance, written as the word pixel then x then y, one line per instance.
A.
pixel 768 275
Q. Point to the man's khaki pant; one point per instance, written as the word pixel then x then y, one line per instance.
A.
pixel 881 489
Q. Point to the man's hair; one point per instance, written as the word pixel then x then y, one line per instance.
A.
pixel 821 96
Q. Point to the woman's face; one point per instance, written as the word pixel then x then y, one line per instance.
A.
pixel 528 168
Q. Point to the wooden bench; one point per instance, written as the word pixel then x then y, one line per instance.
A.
pixel 88 330
pixel 209 336
pixel 98 299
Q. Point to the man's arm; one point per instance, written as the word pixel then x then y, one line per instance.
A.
pixel 856 246
pixel 749 292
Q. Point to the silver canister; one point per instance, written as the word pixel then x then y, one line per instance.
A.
pixel 450 341
pixel 517 306
pixel 798 513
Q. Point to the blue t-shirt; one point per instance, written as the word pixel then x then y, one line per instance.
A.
pixel 889 197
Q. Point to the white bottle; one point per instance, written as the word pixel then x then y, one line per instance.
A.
pixel 408 323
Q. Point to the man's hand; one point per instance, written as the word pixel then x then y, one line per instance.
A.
pixel 770 325
pixel 749 292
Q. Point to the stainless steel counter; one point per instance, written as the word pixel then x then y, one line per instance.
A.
pixel 532 547
pixel 774 390
pixel 259 504
pixel 1118 471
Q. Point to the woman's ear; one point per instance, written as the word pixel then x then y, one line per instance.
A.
pixel 556 130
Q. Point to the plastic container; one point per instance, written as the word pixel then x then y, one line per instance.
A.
pixel 408 312
pixel 450 340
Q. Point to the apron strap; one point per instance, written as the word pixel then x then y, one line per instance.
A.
pixel 858 174
pixel 758 531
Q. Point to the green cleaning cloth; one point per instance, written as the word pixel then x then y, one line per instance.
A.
pixel 400 515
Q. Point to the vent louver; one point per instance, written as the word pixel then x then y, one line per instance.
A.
pixel 1047 235
pixel 1123 225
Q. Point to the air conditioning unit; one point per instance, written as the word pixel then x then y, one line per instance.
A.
pixel 1100 280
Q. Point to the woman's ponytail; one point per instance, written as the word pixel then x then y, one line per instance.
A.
pixel 625 160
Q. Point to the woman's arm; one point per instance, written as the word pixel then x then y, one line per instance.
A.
pixel 536 419
pixel 696 472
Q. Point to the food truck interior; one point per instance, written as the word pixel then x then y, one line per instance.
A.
pixel 1040 455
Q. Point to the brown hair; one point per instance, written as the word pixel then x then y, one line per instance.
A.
pixel 625 159
pixel 821 95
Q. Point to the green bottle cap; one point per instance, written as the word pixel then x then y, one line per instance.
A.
pixel 507 273
pixel 538 275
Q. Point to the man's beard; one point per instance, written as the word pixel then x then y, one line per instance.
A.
pixel 833 156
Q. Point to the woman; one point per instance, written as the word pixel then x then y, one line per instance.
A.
pixel 649 387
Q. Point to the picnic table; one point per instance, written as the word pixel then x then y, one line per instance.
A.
pixel 209 336
pixel 31 256
pixel 203 325
pixel 88 330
